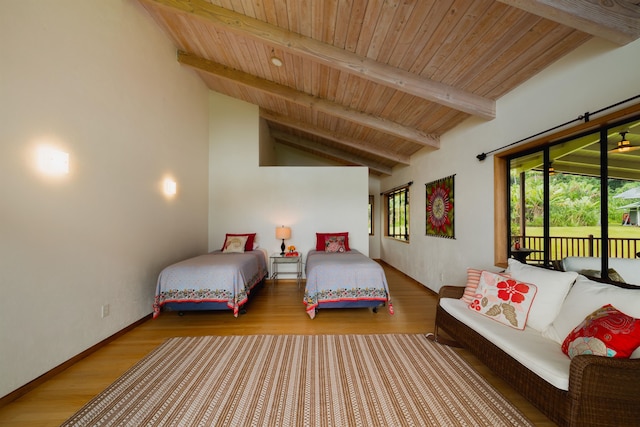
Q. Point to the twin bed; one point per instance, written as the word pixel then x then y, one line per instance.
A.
pixel 219 280
pixel 344 280
pixel 336 277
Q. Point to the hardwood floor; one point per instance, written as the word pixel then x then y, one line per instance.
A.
pixel 274 310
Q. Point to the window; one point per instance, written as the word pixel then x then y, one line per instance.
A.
pixel 370 215
pixel 578 196
pixel 397 202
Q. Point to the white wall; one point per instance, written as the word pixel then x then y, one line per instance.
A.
pixel 289 156
pixel 99 80
pixel 596 75
pixel 245 197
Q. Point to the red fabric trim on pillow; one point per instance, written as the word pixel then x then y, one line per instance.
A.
pixel 605 332
pixel 248 246
pixel 321 238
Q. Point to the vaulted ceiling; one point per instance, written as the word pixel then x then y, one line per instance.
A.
pixel 371 82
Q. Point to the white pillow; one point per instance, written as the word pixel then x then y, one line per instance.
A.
pixel 585 297
pixel 553 287
pixel 235 244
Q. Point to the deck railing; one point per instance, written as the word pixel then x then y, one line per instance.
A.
pixel 589 246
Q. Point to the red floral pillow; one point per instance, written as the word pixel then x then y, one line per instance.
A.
pixel 334 244
pixel 605 332
pixel 321 239
pixel 504 299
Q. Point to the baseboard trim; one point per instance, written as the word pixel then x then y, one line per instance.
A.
pixel 16 394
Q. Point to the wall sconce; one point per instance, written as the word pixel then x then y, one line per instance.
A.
pixel 52 161
pixel 283 233
pixel 170 187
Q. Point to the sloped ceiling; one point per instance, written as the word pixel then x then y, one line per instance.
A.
pixel 371 82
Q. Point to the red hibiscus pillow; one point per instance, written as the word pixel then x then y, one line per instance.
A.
pixel 504 299
pixel 605 332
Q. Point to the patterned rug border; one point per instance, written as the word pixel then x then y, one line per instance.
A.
pixel 285 380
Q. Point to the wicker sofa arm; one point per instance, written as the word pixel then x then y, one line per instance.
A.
pixel 605 390
pixel 449 291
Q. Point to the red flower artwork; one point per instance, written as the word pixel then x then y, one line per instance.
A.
pixel 440 208
pixel 512 290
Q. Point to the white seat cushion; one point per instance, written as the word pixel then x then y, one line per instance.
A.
pixel 529 347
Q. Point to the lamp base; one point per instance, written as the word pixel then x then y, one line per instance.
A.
pixel 282 248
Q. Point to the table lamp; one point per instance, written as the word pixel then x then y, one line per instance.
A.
pixel 283 233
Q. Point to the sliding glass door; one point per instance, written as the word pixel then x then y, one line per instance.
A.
pixel 579 197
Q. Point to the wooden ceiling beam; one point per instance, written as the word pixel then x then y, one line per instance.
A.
pixel 334 57
pixel 324 134
pixel 615 20
pixel 330 151
pixel 309 101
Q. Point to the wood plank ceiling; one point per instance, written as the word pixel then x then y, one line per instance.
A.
pixel 371 82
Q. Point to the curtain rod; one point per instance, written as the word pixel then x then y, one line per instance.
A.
pixel 586 117
pixel 408 184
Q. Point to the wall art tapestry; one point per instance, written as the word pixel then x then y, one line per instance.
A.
pixel 440 211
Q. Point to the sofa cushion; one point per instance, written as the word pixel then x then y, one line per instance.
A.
pixel 605 332
pixel 536 352
pixel 553 287
pixel 628 269
pixel 505 300
pixel 584 298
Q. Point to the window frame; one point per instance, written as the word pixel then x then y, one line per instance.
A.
pixel 371 215
pixel 390 213
pixel 501 172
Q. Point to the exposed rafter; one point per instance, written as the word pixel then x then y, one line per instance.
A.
pixel 339 139
pixel 309 101
pixel 335 57
pixel 615 20
pixel 330 151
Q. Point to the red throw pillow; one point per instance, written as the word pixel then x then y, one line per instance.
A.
pixel 248 246
pixel 322 237
pixel 605 332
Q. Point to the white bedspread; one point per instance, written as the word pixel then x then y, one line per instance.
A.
pixel 213 277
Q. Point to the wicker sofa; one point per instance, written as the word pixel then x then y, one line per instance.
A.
pixel 600 391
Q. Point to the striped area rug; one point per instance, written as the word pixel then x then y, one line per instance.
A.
pixel 300 380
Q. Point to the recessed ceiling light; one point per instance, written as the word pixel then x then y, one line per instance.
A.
pixel 276 61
